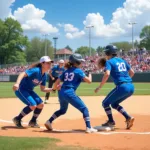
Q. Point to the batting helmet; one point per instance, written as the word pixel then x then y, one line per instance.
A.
pixel 110 50
pixel 76 59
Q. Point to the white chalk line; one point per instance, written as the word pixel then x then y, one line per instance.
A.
pixel 73 131
pixel 112 88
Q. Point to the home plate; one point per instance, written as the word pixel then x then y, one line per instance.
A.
pixel 102 128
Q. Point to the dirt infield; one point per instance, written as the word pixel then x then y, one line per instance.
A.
pixel 72 125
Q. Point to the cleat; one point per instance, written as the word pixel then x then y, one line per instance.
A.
pixel 17 122
pixel 33 124
pixel 130 122
pixel 48 125
pixel 45 102
pixel 91 130
pixel 109 124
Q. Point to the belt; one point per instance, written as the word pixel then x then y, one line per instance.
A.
pixel 66 87
pixel 123 83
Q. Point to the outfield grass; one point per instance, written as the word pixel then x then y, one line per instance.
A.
pixel 84 89
pixel 25 143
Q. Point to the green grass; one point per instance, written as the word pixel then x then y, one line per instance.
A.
pixel 84 89
pixel 25 143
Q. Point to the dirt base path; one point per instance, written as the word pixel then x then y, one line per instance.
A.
pixel 72 125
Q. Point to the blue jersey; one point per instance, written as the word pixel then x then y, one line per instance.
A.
pixel 72 77
pixel 34 78
pixel 57 71
pixel 118 70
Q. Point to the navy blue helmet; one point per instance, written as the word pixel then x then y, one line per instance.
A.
pixel 76 59
pixel 110 50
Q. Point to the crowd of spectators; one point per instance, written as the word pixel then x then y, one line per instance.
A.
pixel 13 70
pixel 139 61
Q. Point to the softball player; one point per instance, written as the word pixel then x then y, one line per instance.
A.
pixel 71 79
pixel 54 73
pixel 121 73
pixel 24 86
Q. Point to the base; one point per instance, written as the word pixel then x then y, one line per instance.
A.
pixel 102 128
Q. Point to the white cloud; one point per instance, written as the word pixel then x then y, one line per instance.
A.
pixel 60 25
pixel 70 28
pixel 5 9
pixel 132 10
pixel 73 35
pixel 32 19
pixel 28 12
pixel 71 31
pixel 100 29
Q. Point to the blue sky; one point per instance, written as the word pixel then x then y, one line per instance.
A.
pixel 72 11
pixel 67 19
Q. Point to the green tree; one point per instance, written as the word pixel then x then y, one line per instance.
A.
pixel 36 49
pixel 69 48
pixel 12 40
pixel 99 50
pixel 123 45
pixel 19 57
pixel 145 37
pixel 84 51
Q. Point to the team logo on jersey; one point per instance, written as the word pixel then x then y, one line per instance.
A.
pixel 36 82
pixel 59 72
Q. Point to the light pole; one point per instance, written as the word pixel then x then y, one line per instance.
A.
pixel 132 24
pixel 89 27
pixel 45 35
pixel 55 42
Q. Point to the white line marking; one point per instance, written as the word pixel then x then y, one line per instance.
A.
pixel 113 88
pixel 72 131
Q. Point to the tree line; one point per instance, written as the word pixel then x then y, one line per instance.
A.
pixel 15 47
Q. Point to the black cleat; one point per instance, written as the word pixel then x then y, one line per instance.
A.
pixel 17 122
pixel 33 124
pixel 109 124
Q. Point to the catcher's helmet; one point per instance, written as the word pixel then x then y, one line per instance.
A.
pixel 110 50
pixel 76 59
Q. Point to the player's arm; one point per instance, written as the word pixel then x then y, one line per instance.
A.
pixel 88 79
pixel 131 72
pixel 56 85
pixel 107 66
pixel 45 89
pixel 104 80
pixel 43 86
pixel 20 77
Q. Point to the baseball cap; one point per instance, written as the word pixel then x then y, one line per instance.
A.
pixel 45 59
pixel 61 61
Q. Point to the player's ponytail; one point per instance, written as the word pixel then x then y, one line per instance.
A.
pixel 35 65
pixel 101 63
pixel 68 65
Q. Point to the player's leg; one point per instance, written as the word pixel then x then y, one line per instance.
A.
pixel 37 111
pixel 58 113
pixel 50 84
pixel 106 105
pixel 27 99
pixel 75 101
pixel 125 91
